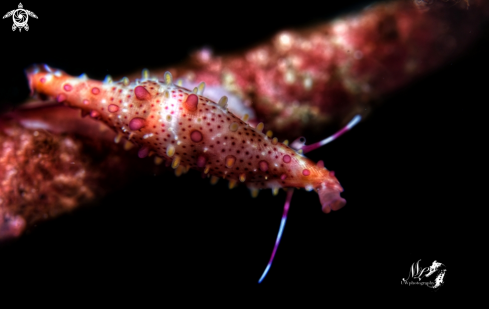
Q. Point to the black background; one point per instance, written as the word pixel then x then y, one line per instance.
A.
pixel 410 171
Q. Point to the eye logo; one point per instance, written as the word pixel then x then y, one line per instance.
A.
pixel 20 17
pixel 420 276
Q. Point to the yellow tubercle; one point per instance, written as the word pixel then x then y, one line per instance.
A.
pixel 108 79
pixel 233 127
pixel 176 162
pixel 275 191
pixel 230 161
pixel 117 139
pixel 260 126
pixel 214 180
pixel 179 171
pixel 158 160
pixel 170 151
pixel 223 102
pixel 128 145
pixel 201 88
pixel 145 74
pixel 168 78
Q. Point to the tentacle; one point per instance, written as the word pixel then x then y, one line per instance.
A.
pixel 329 195
pixel 279 235
pixel 346 128
pixel 298 143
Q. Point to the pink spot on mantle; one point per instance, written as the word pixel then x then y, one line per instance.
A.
pixel 143 152
pixel 141 93
pixel 191 102
pixel 95 90
pixel 286 158
pixel 263 166
pixel 196 136
pixel 306 172
pixel 137 123
pixel 113 108
pixel 61 98
pixel 67 87
pixel 201 160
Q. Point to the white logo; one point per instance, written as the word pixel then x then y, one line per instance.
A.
pixel 20 17
pixel 421 274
